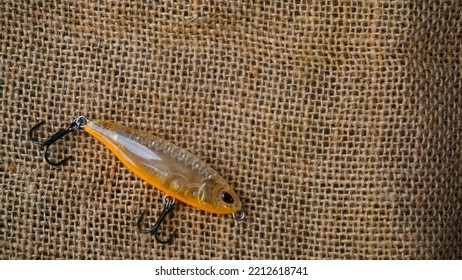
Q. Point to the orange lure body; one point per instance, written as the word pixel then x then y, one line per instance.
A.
pixel 167 167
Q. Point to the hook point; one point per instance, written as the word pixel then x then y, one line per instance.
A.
pixel 31 138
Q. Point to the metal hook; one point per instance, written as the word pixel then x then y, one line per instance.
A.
pixel 169 203
pixel 76 124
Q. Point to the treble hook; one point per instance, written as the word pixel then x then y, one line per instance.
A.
pixel 169 203
pixel 76 124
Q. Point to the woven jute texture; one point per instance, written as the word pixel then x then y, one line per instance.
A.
pixel 338 123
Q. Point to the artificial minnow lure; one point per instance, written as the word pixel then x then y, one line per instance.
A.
pixel 172 170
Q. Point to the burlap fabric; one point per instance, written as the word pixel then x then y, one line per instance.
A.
pixel 337 122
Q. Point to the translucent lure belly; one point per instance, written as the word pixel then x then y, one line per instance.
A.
pixel 167 167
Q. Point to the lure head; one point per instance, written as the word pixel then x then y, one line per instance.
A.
pixel 218 196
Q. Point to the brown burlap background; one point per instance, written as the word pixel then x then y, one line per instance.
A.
pixel 337 122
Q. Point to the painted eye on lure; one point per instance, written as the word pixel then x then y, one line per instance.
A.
pixel 227 197
pixel 172 170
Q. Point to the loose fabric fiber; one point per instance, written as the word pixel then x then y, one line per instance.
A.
pixel 338 123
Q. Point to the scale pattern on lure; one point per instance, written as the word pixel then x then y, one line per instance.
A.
pixel 172 170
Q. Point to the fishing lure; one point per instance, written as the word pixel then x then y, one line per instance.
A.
pixel 172 170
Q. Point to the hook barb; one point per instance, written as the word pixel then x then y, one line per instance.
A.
pixel 169 204
pixel 31 138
